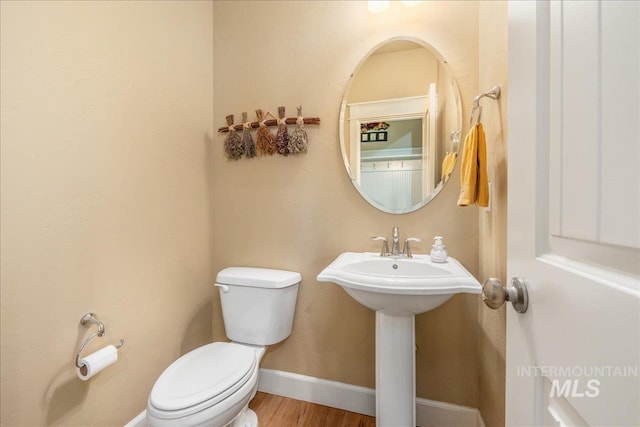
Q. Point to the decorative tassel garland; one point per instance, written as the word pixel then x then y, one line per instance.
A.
pixel 298 141
pixel 282 136
pixel 265 140
pixel 266 143
pixel 233 147
pixel 248 143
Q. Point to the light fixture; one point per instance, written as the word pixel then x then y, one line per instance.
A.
pixel 377 6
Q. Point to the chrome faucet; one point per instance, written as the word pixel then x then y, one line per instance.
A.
pixel 395 248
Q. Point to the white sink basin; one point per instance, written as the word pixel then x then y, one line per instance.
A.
pixel 398 289
pixel 399 286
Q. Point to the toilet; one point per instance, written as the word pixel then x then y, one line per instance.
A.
pixel 212 385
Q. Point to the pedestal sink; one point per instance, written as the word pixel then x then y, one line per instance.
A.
pixel 397 289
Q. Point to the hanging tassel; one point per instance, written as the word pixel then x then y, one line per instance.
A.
pixel 233 143
pixel 265 140
pixel 298 141
pixel 248 143
pixel 282 136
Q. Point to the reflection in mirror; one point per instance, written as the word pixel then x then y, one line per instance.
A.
pixel 400 124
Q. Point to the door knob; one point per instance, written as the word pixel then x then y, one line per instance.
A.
pixel 494 294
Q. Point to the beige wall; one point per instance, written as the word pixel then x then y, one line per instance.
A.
pixel 114 199
pixel 493 70
pixel 404 73
pixel 300 212
pixel 105 200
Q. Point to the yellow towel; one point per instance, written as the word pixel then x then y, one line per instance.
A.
pixel 447 165
pixel 473 169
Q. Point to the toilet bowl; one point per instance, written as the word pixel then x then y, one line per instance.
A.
pixel 209 386
pixel 212 385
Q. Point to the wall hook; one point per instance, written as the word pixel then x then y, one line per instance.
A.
pixel 494 93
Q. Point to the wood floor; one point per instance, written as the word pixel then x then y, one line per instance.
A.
pixel 278 411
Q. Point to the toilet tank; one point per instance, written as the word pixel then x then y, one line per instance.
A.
pixel 258 303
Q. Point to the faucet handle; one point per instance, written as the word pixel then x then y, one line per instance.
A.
pixel 406 251
pixel 385 247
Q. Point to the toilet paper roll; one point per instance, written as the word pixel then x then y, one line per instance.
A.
pixel 96 362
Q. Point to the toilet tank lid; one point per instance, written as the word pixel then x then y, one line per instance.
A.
pixel 258 277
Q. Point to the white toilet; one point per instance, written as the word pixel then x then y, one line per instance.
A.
pixel 212 385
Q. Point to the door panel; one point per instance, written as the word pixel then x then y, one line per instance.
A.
pixel 573 228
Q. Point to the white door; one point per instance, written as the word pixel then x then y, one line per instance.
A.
pixel 574 197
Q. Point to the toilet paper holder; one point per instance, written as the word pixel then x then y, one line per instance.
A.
pixel 87 320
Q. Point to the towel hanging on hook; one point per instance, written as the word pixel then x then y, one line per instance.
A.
pixel 473 169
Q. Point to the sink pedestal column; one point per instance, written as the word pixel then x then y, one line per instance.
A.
pixel 395 370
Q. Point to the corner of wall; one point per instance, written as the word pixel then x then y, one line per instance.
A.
pixel 493 70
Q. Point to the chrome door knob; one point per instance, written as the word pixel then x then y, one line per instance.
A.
pixel 494 294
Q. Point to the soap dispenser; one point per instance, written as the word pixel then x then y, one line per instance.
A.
pixel 438 251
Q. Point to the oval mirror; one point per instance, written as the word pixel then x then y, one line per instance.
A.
pixel 400 125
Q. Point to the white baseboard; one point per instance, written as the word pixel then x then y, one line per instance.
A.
pixel 139 421
pixel 480 421
pixel 361 399
pixel 351 398
pixel 316 390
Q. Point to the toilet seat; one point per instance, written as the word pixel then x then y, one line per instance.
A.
pixel 201 379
